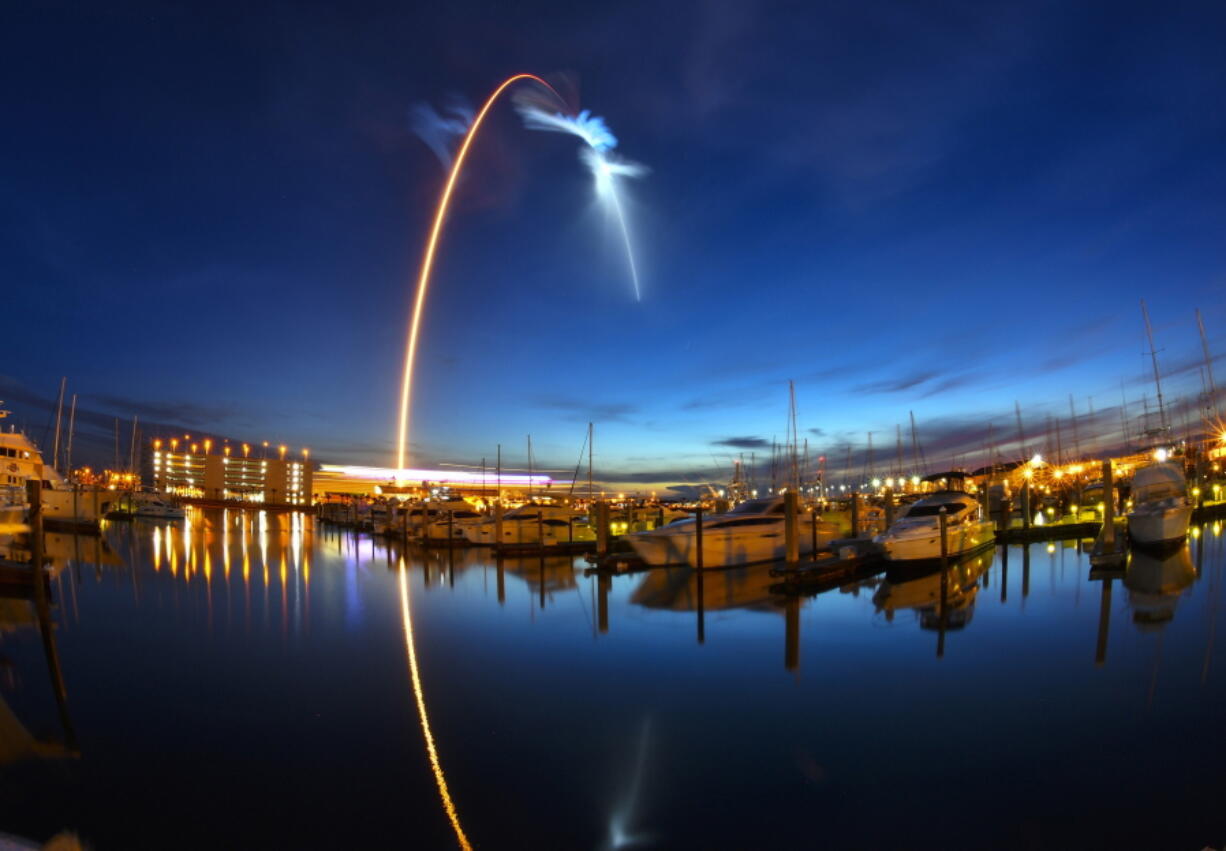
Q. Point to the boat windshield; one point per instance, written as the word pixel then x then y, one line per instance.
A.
pixel 756 506
pixel 934 509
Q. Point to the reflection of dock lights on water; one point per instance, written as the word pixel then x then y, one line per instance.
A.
pixel 419 696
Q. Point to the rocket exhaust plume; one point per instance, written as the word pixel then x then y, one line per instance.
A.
pixel 605 167
pixel 438 130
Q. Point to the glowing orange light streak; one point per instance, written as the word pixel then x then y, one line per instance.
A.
pixel 427 262
pixel 435 765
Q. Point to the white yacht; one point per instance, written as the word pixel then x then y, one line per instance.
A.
pixel 449 525
pixel 533 525
pixel 916 535
pixel 153 504
pixel 64 503
pixel 1160 508
pixel 750 533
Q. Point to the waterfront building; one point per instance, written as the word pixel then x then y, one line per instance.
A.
pixel 197 472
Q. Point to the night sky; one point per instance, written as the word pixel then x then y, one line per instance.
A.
pixel 211 217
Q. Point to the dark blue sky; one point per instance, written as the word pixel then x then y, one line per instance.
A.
pixel 211 216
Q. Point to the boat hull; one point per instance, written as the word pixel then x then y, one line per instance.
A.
pixel 1160 527
pixel 731 548
pixel 925 544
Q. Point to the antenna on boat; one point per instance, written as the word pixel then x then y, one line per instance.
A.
pixel 1021 435
pixel 917 451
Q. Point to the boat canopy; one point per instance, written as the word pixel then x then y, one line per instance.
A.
pixel 1159 481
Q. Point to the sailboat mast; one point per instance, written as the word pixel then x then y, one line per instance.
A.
pixel 132 447
pixel 1153 354
pixel 72 420
pixel 591 492
pixel 59 413
pixel 1204 345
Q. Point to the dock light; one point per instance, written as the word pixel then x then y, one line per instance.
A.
pixel 876 483
pixel 208 444
pixel 281 448
pixel 226 450
pixel 1160 455
pixel 194 448
pixel 1195 491
pixel 1029 474
pixel 1051 548
pixel 174 444
pixel 915 480
pixel 1059 474
pixel 1036 460
pixel 246 449
pixel 157 444
pixel 1195 531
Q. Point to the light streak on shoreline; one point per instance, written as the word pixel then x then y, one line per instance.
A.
pixel 440 477
pixel 427 263
pixel 439 778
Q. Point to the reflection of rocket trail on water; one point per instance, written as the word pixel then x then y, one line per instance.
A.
pixel 620 820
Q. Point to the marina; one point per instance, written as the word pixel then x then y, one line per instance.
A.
pixel 712 425
pixel 660 686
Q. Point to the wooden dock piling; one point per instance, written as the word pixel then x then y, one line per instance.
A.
pixel 790 536
pixel 698 538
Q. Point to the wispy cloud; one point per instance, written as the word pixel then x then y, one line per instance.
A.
pixel 895 385
pixel 746 442
pixel 583 410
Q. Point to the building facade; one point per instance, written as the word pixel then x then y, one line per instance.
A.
pixel 223 477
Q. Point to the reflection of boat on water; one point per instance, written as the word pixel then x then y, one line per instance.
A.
pixel 1155 583
pixel 734 588
pixel 921 591
pixel 751 533
pixel 916 536
pixel 1160 511
pixel 59 548
pixel 543 573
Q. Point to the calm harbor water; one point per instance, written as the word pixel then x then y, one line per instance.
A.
pixel 248 680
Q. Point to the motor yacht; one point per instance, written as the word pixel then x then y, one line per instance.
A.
pixel 63 503
pixel 1160 508
pixel 149 503
pixel 916 535
pixel 752 532
pixel 449 525
pixel 533 525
